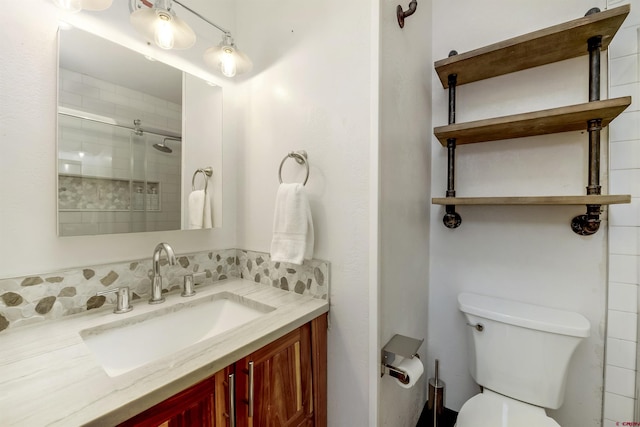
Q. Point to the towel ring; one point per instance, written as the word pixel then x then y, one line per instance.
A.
pixel 298 156
pixel 207 172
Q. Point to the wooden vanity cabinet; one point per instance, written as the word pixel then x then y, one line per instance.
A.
pixel 204 404
pixel 286 378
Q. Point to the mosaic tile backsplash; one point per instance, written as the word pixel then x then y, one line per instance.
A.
pixel 31 299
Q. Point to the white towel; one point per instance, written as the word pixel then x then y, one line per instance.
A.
pixel 292 225
pixel 199 210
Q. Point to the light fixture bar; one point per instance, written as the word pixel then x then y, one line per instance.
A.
pixel 225 57
pixel 202 17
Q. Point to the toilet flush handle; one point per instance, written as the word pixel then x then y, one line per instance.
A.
pixel 478 326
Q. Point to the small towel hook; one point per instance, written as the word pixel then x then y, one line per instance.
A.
pixel 402 14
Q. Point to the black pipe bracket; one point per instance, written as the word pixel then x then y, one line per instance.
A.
pixel 451 218
pixel 589 223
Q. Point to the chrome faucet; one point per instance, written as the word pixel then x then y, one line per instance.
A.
pixel 156 281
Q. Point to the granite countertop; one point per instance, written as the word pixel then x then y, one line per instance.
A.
pixel 49 377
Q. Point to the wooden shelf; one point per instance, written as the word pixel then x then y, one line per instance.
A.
pixel 554 120
pixel 552 44
pixel 535 200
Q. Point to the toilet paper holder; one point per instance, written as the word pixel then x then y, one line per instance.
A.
pixel 403 346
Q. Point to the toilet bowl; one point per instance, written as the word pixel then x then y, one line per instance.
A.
pixel 520 355
pixel 489 409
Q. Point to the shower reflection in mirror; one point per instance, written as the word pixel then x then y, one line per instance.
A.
pixel 114 178
pixel 122 151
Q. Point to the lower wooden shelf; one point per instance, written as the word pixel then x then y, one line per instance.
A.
pixel 611 199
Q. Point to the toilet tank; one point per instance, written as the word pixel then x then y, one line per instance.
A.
pixel 523 350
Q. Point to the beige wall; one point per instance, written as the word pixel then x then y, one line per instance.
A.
pixel 405 191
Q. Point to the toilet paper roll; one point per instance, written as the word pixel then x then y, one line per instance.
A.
pixel 413 367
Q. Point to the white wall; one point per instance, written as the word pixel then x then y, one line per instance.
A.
pixel 523 253
pixel 311 90
pixel 203 128
pixel 28 86
pixel 624 232
pixel 405 189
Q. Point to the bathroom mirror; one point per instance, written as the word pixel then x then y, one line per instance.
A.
pixel 131 137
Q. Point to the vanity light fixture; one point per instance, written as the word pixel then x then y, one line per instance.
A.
pixel 78 5
pixel 159 23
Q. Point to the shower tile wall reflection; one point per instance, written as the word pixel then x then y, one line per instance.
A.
pixel 81 193
pixel 90 94
pixel 110 178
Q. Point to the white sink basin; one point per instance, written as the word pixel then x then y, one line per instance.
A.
pixel 124 345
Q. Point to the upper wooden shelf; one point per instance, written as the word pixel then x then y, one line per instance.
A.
pixel 554 120
pixel 609 199
pixel 563 41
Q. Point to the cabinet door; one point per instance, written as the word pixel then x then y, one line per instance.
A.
pixel 203 405
pixel 281 383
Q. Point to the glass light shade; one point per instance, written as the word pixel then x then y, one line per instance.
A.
pixel 171 29
pixel 96 4
pixel 243 63
pixel 227 59
pixel 69 5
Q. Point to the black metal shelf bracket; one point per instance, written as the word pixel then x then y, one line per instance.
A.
pixel 451 218
pixel 589 223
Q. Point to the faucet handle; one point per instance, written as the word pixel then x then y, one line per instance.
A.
pixel 122 299
pixel 190 280
pixel 187 289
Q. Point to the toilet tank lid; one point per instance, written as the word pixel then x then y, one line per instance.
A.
pixel 525 315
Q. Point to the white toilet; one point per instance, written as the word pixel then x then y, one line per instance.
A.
pixel 519 354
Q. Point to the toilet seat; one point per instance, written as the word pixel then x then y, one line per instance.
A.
pixel 490 409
